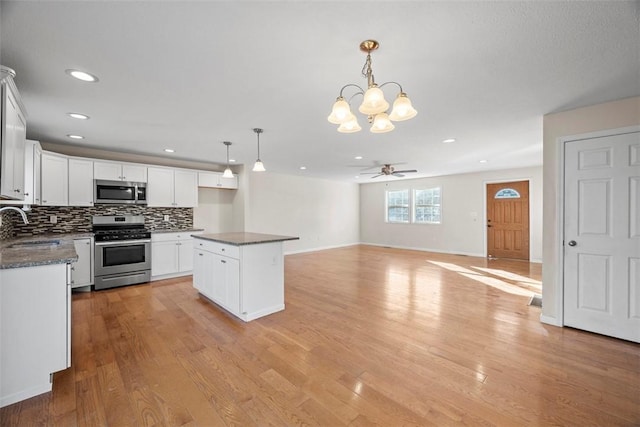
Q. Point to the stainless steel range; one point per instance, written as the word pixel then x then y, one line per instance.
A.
pixel 123 251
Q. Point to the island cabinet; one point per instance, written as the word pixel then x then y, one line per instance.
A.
pixel 241 272
pixel 35 318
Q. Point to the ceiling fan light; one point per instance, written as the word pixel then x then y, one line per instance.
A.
pixel 228 173
pixel 402 108
pixel 382 124
pixel 373 102
pixel 340 111
pixel 258 166
pixel 351 125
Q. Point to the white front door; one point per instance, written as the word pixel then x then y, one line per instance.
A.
pixel 602 235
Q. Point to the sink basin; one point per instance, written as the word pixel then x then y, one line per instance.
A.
pixel 36 244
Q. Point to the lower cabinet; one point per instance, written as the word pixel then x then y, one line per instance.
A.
pixel 247 280
pixel 171 254
pixel 35 318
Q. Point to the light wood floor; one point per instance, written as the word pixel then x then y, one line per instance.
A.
pixel 369 336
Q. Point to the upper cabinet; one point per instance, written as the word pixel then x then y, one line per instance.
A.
pixel 80 182
pixel 55 179
pixel 13 134
pixel 216 180
pixel 114 171
pixel 172 188
pixel 32 156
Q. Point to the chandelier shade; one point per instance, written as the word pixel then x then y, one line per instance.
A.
pixel 402 109
pixel 382 124
pixel 340 112
pixel 374 105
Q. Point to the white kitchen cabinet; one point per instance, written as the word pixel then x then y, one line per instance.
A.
pixel 80 182
pixel 168 187
pixel 246 280
pixel 115 171
pixel 82 270
pixel 54 180
pixel 35 321
pixel 32 161
pixel 216 180
pixel 13 134
pixel 172 254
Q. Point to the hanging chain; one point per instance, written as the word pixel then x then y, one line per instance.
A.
pixel 367 71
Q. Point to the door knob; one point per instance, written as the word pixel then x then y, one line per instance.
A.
pixel 572 243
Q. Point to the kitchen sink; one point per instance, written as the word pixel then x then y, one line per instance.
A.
pixel 35 244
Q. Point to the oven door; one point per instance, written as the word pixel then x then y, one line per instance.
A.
pixel 122 257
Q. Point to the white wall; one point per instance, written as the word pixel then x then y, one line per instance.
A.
pixel 323 213
pixel 214 213
pixel 609 115
pixel 463 227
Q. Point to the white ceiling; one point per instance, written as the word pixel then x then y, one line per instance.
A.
pixel 189 75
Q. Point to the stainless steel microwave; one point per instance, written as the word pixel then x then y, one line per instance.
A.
pixel 120 192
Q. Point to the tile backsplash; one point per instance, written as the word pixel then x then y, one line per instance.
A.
pixel 72 219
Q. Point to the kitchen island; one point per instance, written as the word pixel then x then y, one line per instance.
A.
pixel 241 272
pixel 35 314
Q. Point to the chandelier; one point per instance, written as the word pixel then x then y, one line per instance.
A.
pixel 373 103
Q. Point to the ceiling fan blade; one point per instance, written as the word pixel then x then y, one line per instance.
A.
pixel 406 171
pixel 399 175
pixel 369 173
pixel 375 176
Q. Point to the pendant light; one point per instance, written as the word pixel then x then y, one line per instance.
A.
pixel 258 166
pixel 228 173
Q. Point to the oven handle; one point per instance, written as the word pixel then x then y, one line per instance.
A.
pixel 123 242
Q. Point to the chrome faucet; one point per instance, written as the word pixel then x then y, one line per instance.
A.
pixel 20 211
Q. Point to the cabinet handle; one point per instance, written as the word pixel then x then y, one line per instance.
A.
pixel 223 261
pixel 222 249
pixel 44 201
pixel 17 190
pixel 26 194
pixel 201 254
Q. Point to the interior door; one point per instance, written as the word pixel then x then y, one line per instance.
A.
pixel 508 220
pixel 602 235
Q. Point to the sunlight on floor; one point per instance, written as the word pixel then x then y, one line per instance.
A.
pixel 516 284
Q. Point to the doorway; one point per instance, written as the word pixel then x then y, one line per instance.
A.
pixel 508 220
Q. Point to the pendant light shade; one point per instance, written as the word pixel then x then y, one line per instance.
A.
pixel 402 109
pixel 350 125
pixel 340 112
pixel 228 173
pixel 373 102
pixel 258 166
pixel 382 124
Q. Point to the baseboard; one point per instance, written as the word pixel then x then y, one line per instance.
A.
pixel 171 276
pixel 549 320
pixel 321 248
pixel 439 251
pixel 25 394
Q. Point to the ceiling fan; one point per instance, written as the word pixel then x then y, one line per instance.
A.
pixel 388 169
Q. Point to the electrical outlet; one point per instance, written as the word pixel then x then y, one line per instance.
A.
pixel 53 219
pixel 166 217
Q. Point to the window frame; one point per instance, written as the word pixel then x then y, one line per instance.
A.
pixel 388 206
pixel 414 205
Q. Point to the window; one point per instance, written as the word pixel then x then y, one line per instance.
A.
pixel 426 206
pixel 507 193
pixel 398 206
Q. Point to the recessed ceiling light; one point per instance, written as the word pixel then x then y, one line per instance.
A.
pixel 81 75
pixel 482 161
pixel 358 157
pixel 232 160
pixel 303 168
pixel 169 150
pixel 78 116
pixel 357 177
pixel 449 140
pixel 75 136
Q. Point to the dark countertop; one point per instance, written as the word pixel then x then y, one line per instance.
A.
pixel 244 238
pixel 18 253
